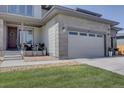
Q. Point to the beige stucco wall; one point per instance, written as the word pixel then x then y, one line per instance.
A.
pixel 37 35
pixel 69 21
pixel 51 24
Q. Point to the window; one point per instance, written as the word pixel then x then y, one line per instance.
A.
pixel 92 35
pixel 26 10
pixel 12 8
pixel 99 35
pixel 26 36
pixel 3 8
pixel 29 36
pixel 83 34
pixel 29 10
pixel 73 33
pixel 22 9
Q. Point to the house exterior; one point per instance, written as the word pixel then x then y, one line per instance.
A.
pixel 120 43
pixel 66 33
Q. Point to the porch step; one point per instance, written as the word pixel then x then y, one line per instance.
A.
pixel 12 55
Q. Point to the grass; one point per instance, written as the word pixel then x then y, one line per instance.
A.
pixel 66 76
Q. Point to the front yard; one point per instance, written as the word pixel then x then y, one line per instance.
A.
pixel 64 76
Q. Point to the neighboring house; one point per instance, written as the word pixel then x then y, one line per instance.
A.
pixel 66 33
pixel 120 43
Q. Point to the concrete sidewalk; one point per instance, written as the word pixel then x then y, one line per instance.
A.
pixel 12 63
pixel 20 65
pixel 115 64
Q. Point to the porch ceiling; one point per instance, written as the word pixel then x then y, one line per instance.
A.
pixel 17 19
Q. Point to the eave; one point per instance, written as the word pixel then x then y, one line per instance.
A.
pixel 17 19
pixel 71 12
pixel 116 28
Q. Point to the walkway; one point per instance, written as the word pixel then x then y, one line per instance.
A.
pixel 12 63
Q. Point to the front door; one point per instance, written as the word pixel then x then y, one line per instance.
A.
pixel 12 37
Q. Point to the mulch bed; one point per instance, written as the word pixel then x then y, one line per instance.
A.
pixel 22 68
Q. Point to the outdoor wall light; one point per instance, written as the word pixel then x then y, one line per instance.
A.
pixel 64 29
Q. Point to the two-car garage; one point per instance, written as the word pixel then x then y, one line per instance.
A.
pixel 69 33
pixel 85 44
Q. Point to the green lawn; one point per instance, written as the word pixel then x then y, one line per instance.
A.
pixel 67 76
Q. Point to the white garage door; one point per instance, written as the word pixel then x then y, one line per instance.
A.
pixel 81 44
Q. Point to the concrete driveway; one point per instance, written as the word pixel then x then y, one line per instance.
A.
pixel 114 64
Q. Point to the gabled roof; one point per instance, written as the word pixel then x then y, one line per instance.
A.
pixel 67 11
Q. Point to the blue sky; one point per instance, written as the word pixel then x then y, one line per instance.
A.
pixel 112 12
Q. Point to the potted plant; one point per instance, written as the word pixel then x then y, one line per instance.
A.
pixel 42 48
pixel 110 52
pixel 116 51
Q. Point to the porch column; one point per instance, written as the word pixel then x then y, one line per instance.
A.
pixel 1 34
pixel 1 37
pixel 22 35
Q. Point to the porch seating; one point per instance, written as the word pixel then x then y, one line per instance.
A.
pixel 34 50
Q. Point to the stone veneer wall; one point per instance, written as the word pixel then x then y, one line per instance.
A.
pixel 63 41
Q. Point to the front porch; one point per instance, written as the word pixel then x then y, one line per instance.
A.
pixel 26 39
pixel 26 56
pixel 19 36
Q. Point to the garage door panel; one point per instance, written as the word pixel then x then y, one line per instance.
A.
pixel 85 46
